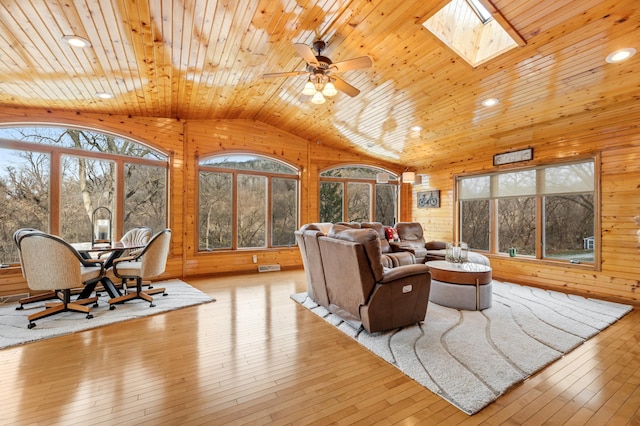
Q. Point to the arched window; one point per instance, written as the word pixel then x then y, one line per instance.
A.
pixel 246 201
pixel 358 193
pixel 52 178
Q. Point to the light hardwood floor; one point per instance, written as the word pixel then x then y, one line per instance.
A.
pixel 256 357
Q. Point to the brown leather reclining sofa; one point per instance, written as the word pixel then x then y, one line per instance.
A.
pixel 346 274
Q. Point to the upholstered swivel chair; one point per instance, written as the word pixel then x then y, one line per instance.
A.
pixel 36 297
pixel 51 264
pixel 149 263
pixel 139 235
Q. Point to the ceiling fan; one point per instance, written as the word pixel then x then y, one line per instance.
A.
pixel 322 72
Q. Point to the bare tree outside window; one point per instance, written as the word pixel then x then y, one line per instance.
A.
pixel 358 202
pixel 86 182
pixel 86 185
pixel 216 210
pixel 284 212
pixel 517 225
pixel 251 183
pixel 145 197
pixel 566 194
pixel 331 196
pixel 474 223
pixel 386 196
pixel 252 208
pixel 364 196
pixel 24 190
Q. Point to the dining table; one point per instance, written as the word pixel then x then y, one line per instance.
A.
pixel 114 250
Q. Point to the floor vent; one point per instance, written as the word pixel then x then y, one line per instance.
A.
pixel 268 268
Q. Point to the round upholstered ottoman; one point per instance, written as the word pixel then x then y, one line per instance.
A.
pixel 460 285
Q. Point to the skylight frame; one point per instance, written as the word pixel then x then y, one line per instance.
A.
pixel 482 12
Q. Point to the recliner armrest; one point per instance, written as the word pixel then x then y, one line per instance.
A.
pixel 403 271
pixel 398 246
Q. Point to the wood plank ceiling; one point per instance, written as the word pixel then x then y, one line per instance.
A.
pixel 201 59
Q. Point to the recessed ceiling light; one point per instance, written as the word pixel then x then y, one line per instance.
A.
pixel 76 41
pixel 620 55
pixel 490 102
pixel 104 95
pixel 416 128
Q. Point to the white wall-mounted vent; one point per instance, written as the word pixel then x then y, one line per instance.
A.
pixel 268 268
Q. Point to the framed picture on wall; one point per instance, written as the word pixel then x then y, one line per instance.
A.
pixel 429 199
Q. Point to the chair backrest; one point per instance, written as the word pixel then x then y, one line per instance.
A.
pixel 16 238
pixel 49 262
pixel 154 255
pixel 323 227
pixel 138 235
pixel 411 233
pixel 379 228
pixel 312 262
pixel 352 265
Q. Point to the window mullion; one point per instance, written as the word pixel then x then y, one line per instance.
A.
pixel 234 216
pixel 268 219
pixel 55 182
pixel 539 227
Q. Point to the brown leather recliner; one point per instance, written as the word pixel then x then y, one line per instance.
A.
pixel 394 259
pixel 307 239
pixel 361 291
pixel 411 240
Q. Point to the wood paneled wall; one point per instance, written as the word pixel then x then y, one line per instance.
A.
pixel 186 142
pixel 619 147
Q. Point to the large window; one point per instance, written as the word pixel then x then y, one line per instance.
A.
pixel 545 212
pixel 246 201
pixel 354 194
pixel 52 178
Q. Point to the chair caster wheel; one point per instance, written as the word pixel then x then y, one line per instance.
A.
pixel 165 294
pixel 95 305
pixel 31 325
pixel 152 305
pixel 19 308
pixel 112 307
pixel 89 316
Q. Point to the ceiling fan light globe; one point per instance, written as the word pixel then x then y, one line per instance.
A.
pixel 329 90
pixel 318 99
pixel 309 89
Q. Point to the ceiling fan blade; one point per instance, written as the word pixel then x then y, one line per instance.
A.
pixel 351 64
pixel 306 53
pixel 345 87
pixel 283 74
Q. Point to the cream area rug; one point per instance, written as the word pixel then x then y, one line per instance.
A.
pixel 13 323
pixel 470 358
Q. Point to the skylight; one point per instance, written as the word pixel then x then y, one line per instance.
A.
pixel 473 32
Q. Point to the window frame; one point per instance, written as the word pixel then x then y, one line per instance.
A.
pixel 56 155
pixel 393 181
pixel 234 201
pixel 539 211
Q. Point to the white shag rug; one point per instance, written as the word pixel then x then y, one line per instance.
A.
pixel 13 323
pixel 470 358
